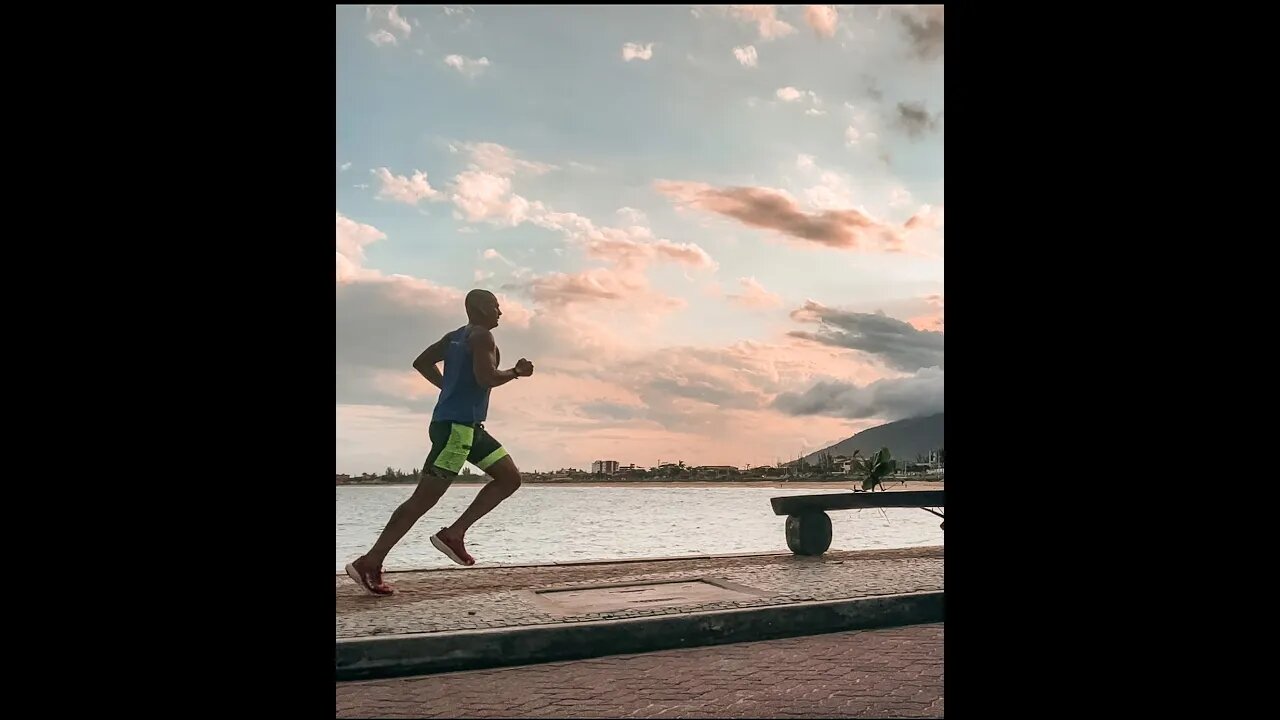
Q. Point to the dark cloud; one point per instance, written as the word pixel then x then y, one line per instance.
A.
pixel 771 210
pixel 924 26
pixel 888 400
pixel 610 411
pixel 898 343
pixel 915 120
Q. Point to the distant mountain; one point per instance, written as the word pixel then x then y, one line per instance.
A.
pixel 904 438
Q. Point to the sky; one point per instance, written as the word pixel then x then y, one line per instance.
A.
pixel 716 231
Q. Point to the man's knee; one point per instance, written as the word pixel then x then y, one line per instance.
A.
pixel 511 480
pixel 505 473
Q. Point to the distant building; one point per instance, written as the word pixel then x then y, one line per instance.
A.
pixel 716 471
pixel 604 467
pixel 938 457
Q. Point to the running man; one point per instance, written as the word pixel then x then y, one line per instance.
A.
pixel 457 433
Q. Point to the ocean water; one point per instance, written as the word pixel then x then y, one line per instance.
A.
pixel 542 524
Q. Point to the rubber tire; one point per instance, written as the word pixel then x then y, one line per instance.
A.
pixel 809 533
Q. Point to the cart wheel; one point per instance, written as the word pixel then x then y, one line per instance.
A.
pixel 809 533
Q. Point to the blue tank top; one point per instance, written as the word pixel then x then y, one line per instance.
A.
pixel 462 400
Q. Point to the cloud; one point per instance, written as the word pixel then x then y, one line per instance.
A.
pixel 485 196
pixel 913 118
pixel 635 51
pixel 632 247
pixel 898 344
pixel 789 94
pixel 610 410
pixel 888 400
pixel 899 197
pixel 927 217
pixel 467 66
pixel 345 166
pixel 771 210
pixel 804 162
pixel 636 249
pixel 396 22
pixel 591 284
pixel 822 18
pixel 491 254
pixel 764 16
pixel 924 26
pixel 352 237
pixel 851 136
pixel 499 160
pixel 632 215
pixel 388 22
pixel 484 192
pixel 381 38
pixel 403 189
pixel 831 193
pixel 933 320
pixel 746 55
pixel 755 295
pixel 596 392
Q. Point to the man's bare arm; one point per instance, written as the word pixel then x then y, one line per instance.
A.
pixel 484 352
pixel 426 362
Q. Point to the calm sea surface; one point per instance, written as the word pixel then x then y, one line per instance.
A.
pixel 540 524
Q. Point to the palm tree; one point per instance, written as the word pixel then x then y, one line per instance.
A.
pixel 876 468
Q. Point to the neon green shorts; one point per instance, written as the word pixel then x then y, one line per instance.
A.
pixel 452 444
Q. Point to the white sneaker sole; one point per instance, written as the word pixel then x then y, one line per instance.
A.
pixel 445 549
pixel 355 575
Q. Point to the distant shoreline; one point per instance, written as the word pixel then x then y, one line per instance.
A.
pixel 797 485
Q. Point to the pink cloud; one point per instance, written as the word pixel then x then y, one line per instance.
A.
pixel 822 18
pixel 926 217
pixel 747 56
pixel 754 295
pixel 636 51
pixel 352 237
pixel 789 94
pixel 484 196
pixel 499 160
pixel 771 210
pixel 932 320
pixel 765 17
pixel 597 392
pixel 403 189
pixel 597 285
pixel 630 248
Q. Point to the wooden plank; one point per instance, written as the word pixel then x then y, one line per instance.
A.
pixel 851 501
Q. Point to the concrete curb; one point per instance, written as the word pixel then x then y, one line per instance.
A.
pixel 427 653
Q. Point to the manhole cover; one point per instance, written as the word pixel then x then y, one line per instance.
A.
pixel 616 598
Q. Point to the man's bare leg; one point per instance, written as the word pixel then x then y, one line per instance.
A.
pixel 506 480
pixel 429 491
